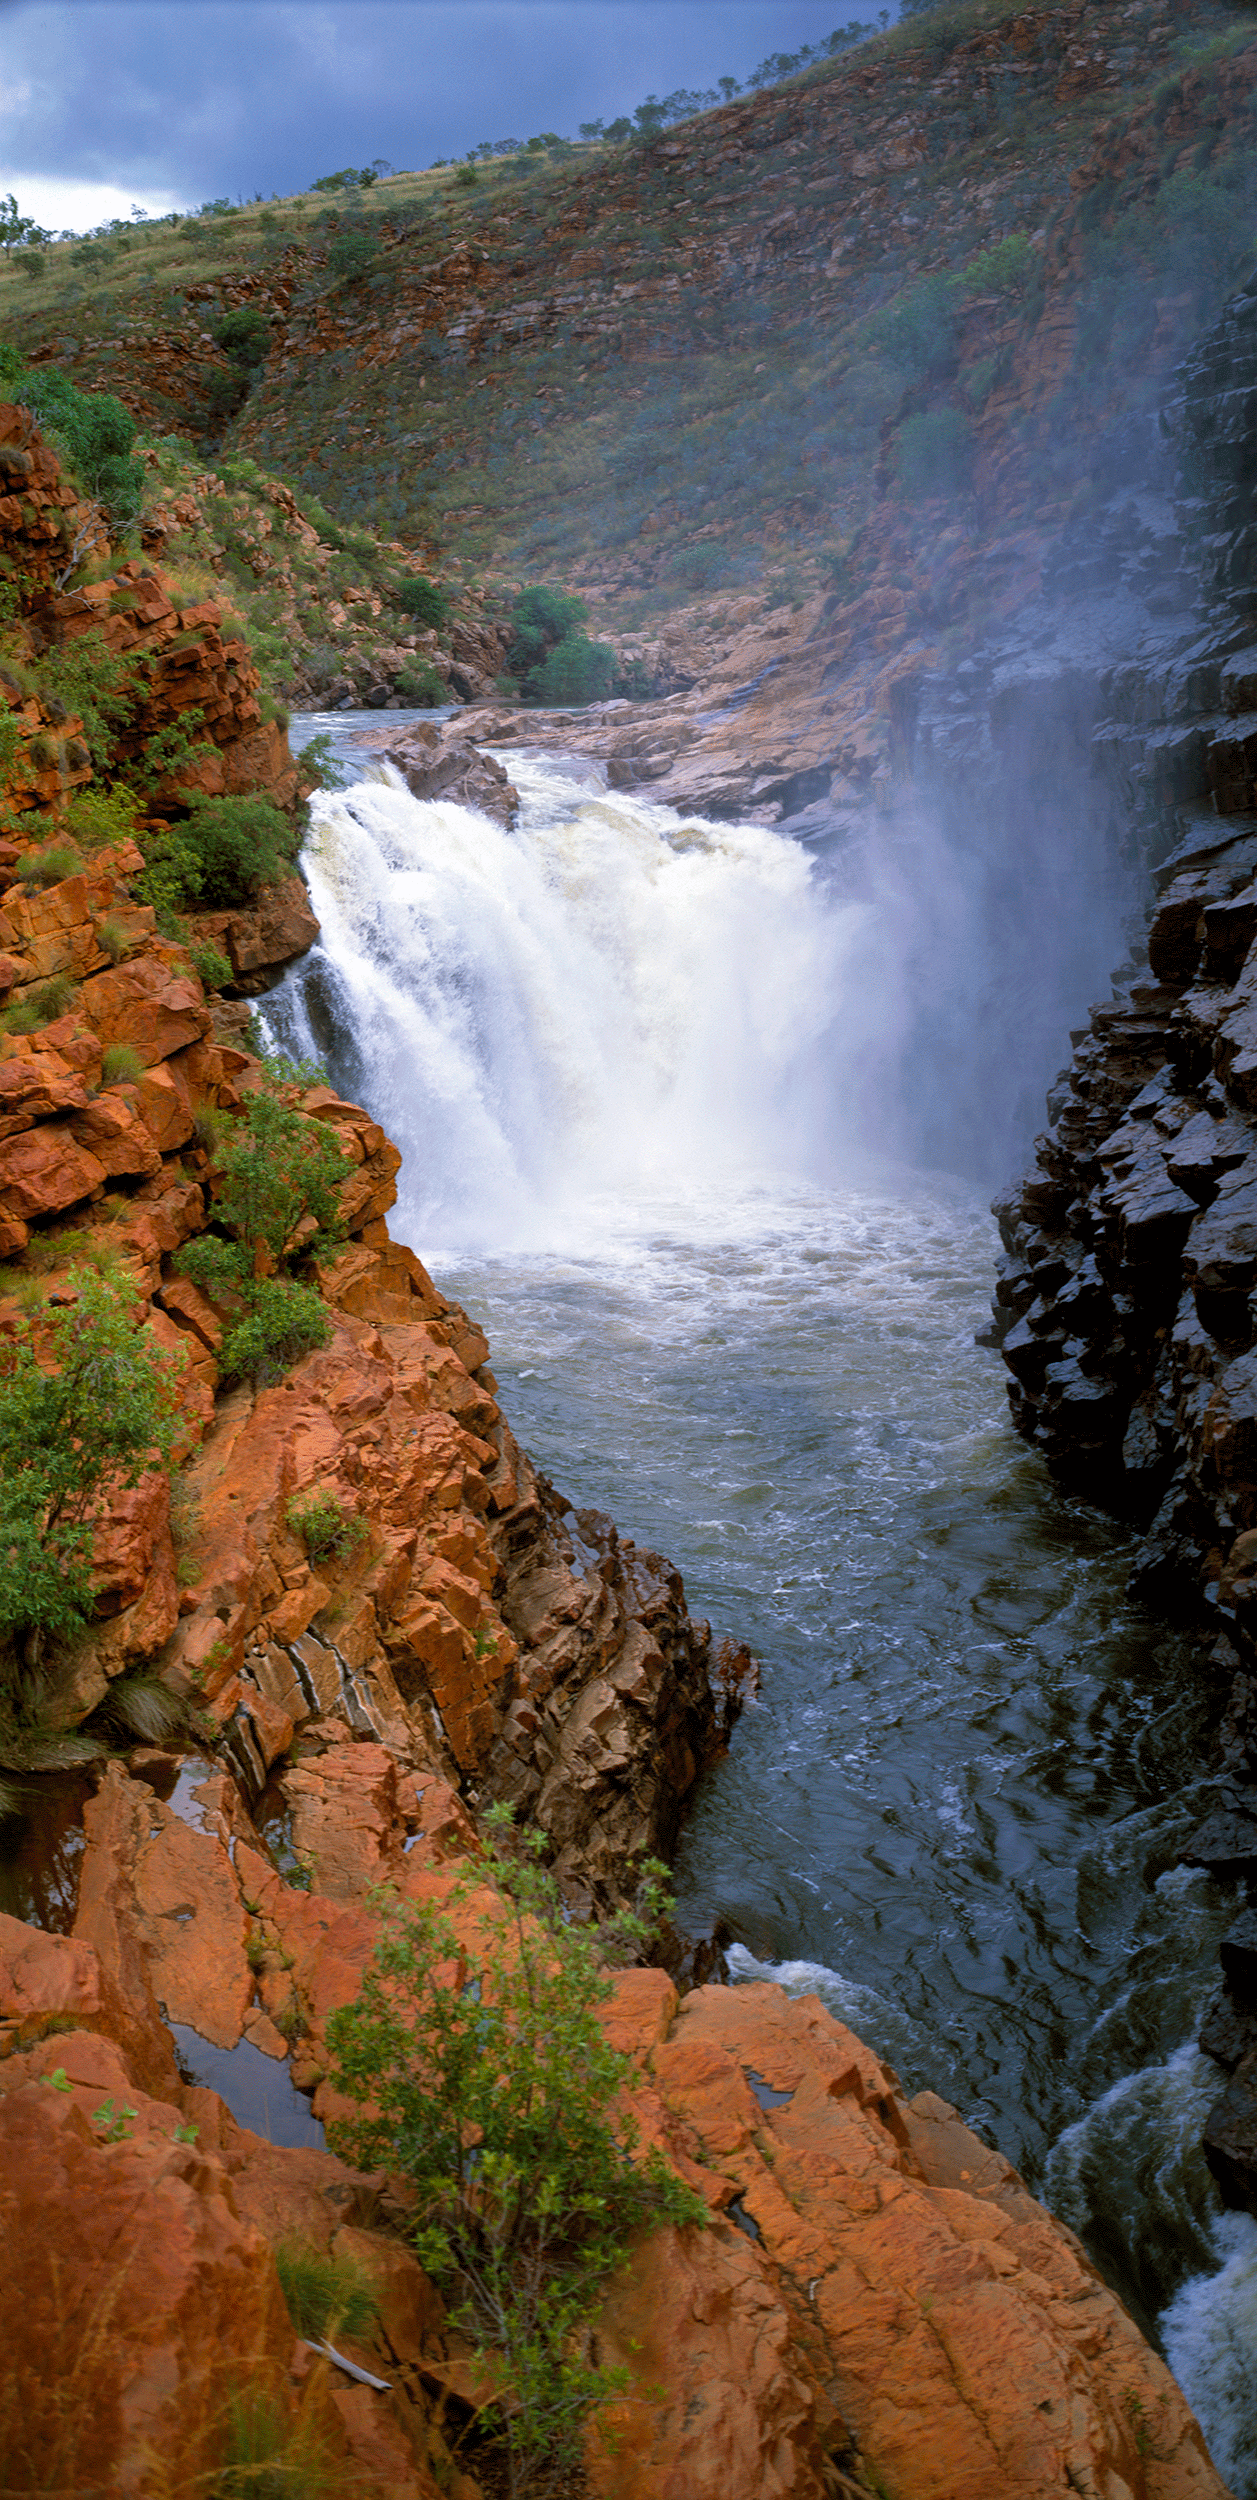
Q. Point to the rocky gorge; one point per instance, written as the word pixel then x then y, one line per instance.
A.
pixel 875 2292
pixel 1037 698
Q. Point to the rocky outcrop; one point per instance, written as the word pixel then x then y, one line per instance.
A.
pixel 1126 1301
pixel 904 2312
pixel 476 1623
pixel 443 764
pixel 259 939
pixel 876 2304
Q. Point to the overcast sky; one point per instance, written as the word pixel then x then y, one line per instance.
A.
pixel 166 103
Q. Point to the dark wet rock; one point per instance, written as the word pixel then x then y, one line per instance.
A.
pixel 442 764
pixel 1226 1842
pixel 1226 2034
pixel 1230 2136
pixel 1238 1952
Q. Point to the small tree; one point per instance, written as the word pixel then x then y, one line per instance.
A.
pixel 278 1200
pixel 552 658
pixel 424 600
pixel 244 334
pixel 479 2069
pixel 87 1404
pixel 97 435
pixel 576 671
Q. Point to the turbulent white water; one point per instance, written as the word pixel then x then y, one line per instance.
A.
pixel 648 1077
pixel 616 1006
pixel 1211 2343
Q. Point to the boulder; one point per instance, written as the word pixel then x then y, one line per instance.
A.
pixel 45 1169
pixel 1230 2136
pixel 151 1004
pixel 1226 1842
pixel 887 2298
pixel 442 764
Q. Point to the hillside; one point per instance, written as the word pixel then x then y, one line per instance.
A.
pixel 947 265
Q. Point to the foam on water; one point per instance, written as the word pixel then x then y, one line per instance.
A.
pixel 1210 2333
pixel 614 1004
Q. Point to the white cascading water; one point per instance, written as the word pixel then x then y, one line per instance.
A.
pixel 611 1006
pixel 657 1085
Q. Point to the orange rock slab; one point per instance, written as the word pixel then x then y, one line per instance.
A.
pixel 948 2328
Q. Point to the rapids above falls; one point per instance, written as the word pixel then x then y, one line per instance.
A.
pixel 658 1085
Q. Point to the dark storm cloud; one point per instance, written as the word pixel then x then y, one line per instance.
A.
pixel 196 98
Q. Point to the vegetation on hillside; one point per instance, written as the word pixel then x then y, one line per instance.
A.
pixel 477 2069
pixel 691 355
pixel 276 1207
pixel 88 1404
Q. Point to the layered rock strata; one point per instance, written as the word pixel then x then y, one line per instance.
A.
pixel 480 1624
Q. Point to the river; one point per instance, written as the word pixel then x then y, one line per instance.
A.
pixel 648 1080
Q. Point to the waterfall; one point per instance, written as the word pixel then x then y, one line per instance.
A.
pixel 609 1004
pixel 613 1005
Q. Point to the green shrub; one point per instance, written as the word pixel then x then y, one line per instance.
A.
pixel 239 845
pixel 49 867
pixel 104 1416
pixel 540 618
pixel 120 1064
pixel 576 671
pixel 424 600
pixel 171 878
pixel 421 685
pixel 326 1529
pixel 919 331
pixel 42 1005
pixel 352 256
pixel 703 567
pixel 112 940
pixel 212 968
pixel 209 1127
pixel 317 763
pixel 244 334
pixel 934 453
pixel 1006 269
pixel 277 1200
pixel 90 679
pixel 282 1323
pixel 281 1176
pixel 98 819
pixel 97 435
pixel 326 2296
pixel 477 2067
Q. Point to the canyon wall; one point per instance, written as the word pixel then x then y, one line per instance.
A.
pixel 1125 1303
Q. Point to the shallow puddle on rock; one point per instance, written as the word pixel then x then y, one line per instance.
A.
pixel 41 1849
pixel 258 2090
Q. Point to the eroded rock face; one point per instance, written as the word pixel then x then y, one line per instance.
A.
pixel 1126 1305
pixel 877 2304
pixel 901 2303
pixel 477 1630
